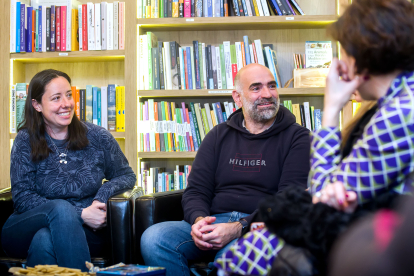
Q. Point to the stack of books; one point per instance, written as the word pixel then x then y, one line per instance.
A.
pixel 216 8
pixel 66 25
pixel 156 179
pixel 103 106
pixel 306 116
pixel 167 65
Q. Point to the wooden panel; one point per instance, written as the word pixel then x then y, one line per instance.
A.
pixel 4 96
pixel 83 73
pixel 131 73
pixel 225 93
pixel 285 42
pixel 237 23
pixel 69 56
pixel 19 72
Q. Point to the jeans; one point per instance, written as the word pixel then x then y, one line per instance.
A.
pixel 52 233
pixel 170 245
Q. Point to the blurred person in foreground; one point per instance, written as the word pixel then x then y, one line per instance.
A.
pixel 377 60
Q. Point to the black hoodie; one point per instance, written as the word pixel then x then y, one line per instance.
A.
pixel 234 169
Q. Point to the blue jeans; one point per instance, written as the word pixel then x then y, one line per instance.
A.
pixel 170 245
pixel 51 233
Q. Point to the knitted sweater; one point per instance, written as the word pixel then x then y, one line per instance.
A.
pixel 79 181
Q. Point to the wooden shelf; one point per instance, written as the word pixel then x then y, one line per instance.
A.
pixel 83 56
pixel 237 23
pixel 117 135
pixel 319 91
pixel 190 154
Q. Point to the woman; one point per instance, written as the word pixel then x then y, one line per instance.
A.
pixel 57 167
pixel 378 62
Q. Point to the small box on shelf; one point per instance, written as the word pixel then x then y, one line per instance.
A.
pixel 311 77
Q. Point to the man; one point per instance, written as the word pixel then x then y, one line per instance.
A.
pixel 259 151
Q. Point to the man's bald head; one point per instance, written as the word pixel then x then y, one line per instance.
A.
pixel 238 83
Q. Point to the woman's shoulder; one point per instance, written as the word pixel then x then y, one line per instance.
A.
pixel 22 136
pixel 96 133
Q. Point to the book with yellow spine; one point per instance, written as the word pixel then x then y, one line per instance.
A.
pixel 74 30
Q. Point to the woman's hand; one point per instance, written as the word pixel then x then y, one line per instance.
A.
pixel 95 215
pixel 337 92
pixel 337 197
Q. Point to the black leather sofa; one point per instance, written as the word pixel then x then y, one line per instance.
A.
pixel 120 220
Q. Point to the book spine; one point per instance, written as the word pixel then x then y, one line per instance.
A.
pixel 82 103
pixel 98 27
pixel 13 31
pixel 68 25
pixel 173 68
pixel 118 109
pixel 152 124
pixel 248 8
pixel 218 67
pixel 121 26
pixel 275 7
pixel 58 29
pixel 17 26
pixel 85 27
pixel 33 35
pixel 161 66
pixel 196 126
pixel 89 104
pixel 149 45
pixel 110 26
pixel 13 109
pixel 185 68
pixel 80 41
pixel 29 30
pixel 265 8
pixel 182 68
pixel 187 8
pixel 36 31
pixel 23 22
pixel 91 26
pixel 290 7
pixel 116 25
pixel 156 67
pixel 286 7
pixel 63 14
pixel 281 7
pixel 104 26
pixel 223 67
pixel 111 107
pixel 179 65
pixel 99 108
pixel 307 115
pixel 157 128
pixel 297 7
pixel 190 76
pixel 95 105
pixel 193 131
pixel 196 64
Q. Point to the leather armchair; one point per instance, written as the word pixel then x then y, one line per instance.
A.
pixel 120 221
pixel 155 208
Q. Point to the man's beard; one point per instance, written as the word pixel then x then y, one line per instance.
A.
pixel 262 114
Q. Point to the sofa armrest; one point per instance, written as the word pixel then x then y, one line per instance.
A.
pixel 6 207
pixel 120 212
pixel 154 208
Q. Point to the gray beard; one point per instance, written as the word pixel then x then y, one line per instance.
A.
pixel 264 114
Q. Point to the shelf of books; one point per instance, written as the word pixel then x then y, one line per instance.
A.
pixel 317 91
pixel 237 23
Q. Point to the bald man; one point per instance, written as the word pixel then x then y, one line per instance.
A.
pixel 258 151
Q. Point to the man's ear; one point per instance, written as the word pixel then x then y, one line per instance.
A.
pixel 237 98
pixel 36 105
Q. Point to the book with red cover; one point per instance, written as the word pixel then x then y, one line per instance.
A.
pixel 33 30
pixel 63 27
pixel 84 27
pixel 58 29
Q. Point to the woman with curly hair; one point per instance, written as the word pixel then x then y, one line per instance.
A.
pixel 377 60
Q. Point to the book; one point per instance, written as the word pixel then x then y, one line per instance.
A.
pixel 89 104
pixel 13 128
pixel 318 54
pixel 132 270
pixel 21 96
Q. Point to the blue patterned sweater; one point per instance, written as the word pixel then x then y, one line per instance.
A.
pixel 79 181
pixel 384 155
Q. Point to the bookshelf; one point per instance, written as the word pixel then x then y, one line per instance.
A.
pixel 287 33
pixel 99 68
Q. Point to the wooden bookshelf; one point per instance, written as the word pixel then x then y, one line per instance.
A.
pixel 237 23
pixel 83 56
pixel 98 68
pixel 224 93
pixel 158 155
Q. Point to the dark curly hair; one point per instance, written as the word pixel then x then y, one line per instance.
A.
pixel 378 34
pixel 292 216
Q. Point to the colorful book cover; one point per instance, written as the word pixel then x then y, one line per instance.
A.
pixel 74 30
pixel 99 107
pixel 13 128
pixel 22 35
pixel 195 122
pixel 82 103
pixel 29 29
pixel 189 69
pixel 63 14
pixel 95 105
pixel 196 64
pixel 36 33
pixel 104 107
pixel 193 131
pixel 21 96
pixel 48 25
pixel 318 54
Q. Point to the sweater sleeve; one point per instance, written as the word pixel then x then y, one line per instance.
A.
pixel 199 193
pixel 379 160
pixel 296 165
pixel 119 174
pixel 23 175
